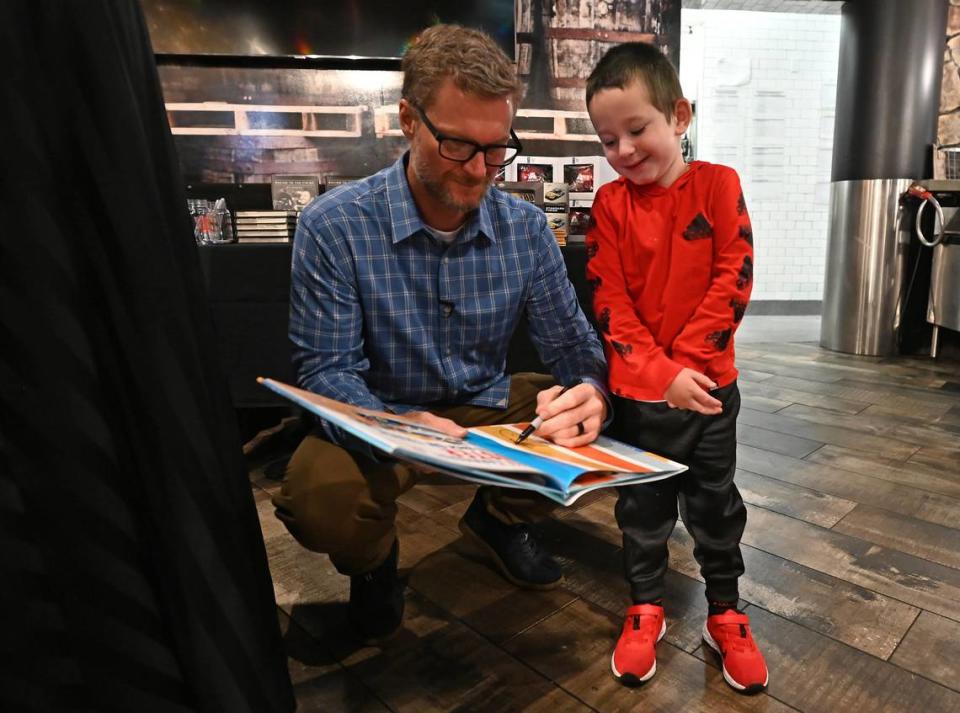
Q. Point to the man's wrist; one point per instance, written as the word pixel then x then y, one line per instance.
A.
pixel 605 395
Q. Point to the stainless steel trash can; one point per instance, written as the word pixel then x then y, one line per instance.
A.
pixel 866 261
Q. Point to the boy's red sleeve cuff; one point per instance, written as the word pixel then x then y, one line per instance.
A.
pixel 663 370
pixel 654 376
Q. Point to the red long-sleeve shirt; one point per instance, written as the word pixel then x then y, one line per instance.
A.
pixel 672 270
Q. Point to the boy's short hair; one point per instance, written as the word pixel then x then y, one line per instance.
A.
pixel 470 57
pixel 637 61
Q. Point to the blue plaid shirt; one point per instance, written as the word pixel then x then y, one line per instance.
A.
pixel 383 314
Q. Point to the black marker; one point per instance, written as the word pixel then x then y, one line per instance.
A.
pixel 537 422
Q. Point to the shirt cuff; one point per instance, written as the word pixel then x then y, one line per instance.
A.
pixel 661 372
pixel 605 393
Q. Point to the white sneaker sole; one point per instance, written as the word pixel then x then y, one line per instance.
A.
pixel 708 640
pixel 631 679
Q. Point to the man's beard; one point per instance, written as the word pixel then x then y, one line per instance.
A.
pixel 441 192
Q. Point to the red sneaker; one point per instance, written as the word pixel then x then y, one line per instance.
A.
pixel 743 666
pixel 634 659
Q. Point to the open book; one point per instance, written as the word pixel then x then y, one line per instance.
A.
pixel 488 454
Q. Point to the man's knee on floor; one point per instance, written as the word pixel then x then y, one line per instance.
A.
pixel 315 521
pixel 320 499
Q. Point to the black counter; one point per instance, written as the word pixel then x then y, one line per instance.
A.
pixel 248 290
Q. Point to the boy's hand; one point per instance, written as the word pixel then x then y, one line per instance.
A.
pixel 689 391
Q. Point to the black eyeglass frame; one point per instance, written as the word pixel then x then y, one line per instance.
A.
pixel 477 148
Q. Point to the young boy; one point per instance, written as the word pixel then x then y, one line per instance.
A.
pixel 671 260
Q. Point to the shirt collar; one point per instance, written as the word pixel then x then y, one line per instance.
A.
pixel 405 219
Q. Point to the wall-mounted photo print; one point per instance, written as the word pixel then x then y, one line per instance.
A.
pixel 579 177
pixel 541 172
pixel 246 120
pixel 579 220
pixel 541 169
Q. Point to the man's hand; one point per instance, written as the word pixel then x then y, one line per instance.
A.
pixel 451 428
pixel 690 390
pixel 445 425
pixel 573 419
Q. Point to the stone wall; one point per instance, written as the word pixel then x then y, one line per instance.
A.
pixel 949 126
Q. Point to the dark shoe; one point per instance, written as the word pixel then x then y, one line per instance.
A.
pixel 376 600
pixel 513 548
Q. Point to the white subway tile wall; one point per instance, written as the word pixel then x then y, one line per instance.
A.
pixel 765 86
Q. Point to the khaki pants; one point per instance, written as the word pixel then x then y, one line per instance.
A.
pixel 344 504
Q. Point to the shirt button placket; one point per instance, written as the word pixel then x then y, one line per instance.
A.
pixel 446 308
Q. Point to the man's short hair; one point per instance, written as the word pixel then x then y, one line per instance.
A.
pixel 637 61
pixel 470 57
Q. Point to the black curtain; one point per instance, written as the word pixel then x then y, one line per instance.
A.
pixel 133 575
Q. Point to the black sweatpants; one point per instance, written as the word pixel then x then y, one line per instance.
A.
pixel 709 502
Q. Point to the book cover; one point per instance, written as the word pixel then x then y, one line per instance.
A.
pixel 530 191
pixel 241 220
pixel 248 228
pixel 489 454
pixel 272 214
pixel 555 194
pixel 331 181
pixel 557 222
pixel 285 234
pixel 293 192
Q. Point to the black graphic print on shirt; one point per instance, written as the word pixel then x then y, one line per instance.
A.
pixel 741 205
pixel 595 283
pixel 746 232
pixel 738 309
pixel 603 320
pixel 622 349
pixel 746 273
pixel 699 229
pixel 719 340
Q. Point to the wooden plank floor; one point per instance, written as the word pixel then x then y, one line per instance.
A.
pixel 851 471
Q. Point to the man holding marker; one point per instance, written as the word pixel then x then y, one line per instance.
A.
pixel 406 289
pixel 538 421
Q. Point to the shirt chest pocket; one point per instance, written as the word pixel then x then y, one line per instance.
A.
pixel 485 291
pixel 486 315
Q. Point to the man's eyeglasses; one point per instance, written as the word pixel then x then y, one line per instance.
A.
pixel 462 150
